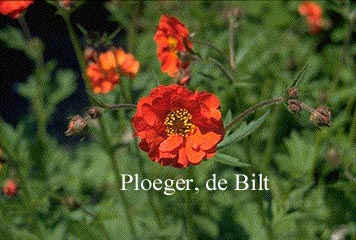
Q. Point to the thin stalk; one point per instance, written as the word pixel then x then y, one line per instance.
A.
pixel 344 53
pixel 77 49
pixel 259 197
pixel 189 209
pixel 352 134
pixel 231 42
pixel 253 109
pixel 150 194
pixel 116 170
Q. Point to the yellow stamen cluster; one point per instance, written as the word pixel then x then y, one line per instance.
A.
pixel 178 122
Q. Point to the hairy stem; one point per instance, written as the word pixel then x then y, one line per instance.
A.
pixel 253 109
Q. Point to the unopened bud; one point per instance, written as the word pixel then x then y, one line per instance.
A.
pixel 293 92
pixel 94 112
pixel 66 4
pixel 321 116
pixel 90 54
pixel 10 188
pixel 294 106
pixel 76 125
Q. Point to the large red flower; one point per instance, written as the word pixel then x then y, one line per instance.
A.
pixel 173 44
pixel 104 74
pixel 178 127
pixel 314 16
pixel 14 8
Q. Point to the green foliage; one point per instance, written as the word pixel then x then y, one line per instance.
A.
pixel 73 191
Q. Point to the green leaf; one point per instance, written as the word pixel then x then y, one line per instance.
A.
pixel 83 230
pixel 207 225
pixel 243 131
pixel 230 160
pixel 13 38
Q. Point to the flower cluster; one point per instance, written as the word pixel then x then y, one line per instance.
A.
pixel 173 45
pixel 14 8
pixel 104 73
pixel 178 127
pixel 314 16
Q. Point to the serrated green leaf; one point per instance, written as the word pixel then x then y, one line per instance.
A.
pixel 230 160
pixel 243 131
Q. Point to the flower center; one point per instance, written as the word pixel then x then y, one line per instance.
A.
pixel 178 122
pixel 172 43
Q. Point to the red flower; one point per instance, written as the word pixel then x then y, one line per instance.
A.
pixel 104 74
pixel 178 127
pixel 173 44
pixel 10 188
pixel 314 14
pixel 14 8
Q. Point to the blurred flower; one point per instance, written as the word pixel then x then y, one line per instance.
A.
pixel 76 125
pixel 14 8
pixel 294 106
pixel 104 74
pixel 173 44
pixel 314 16
pixel 10 188
pixel 178 127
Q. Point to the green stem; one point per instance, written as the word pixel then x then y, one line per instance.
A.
pixel 253 109
pixel 77 49
pixel 116 170
pixel 352 134
pixel 189 208
pixel 155 210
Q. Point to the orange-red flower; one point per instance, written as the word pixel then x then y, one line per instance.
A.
pixel 173 44
pixel 10 188
pixel 14 8
pixel 314 16
pixel 178 127
pixel 104 74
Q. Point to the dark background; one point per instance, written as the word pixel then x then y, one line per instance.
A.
pixel 15 67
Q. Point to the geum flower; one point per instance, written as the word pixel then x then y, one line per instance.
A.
pixel 173 45
pixel 178 127
pixel 14 8
pixel 314 16
pixel 104 74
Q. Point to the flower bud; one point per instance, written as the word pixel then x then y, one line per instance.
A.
pixel 321 116
pixel 293 92
pixel 294 106
pixel 66 4
pixel 94 112
pixel 90 55
pixel 10 188
pixel 76 125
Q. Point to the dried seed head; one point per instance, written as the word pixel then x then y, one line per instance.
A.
pixel 294 106
pixel 95 112
pixel 321 116
pixel 76 125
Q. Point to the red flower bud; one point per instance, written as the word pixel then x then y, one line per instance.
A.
pixel 294 106
pixel 76 125
pixel 10 188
